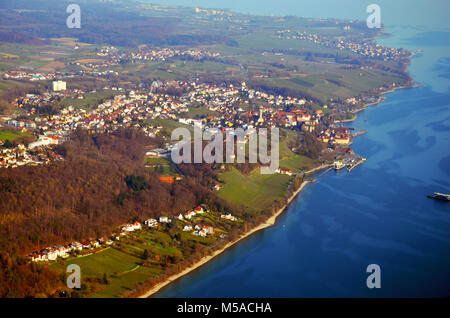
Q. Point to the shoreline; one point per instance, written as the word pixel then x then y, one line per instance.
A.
pixel 272 219
pixel 380 100
pixel 269 222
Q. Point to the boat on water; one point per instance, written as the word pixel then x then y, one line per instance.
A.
pixel 439 196
pixel 338 165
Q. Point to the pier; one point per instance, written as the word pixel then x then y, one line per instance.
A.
pixel 359 133
pixel 357 163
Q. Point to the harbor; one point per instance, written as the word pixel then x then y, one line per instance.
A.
pixel 349 162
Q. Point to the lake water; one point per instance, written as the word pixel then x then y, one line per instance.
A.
pixel 377 214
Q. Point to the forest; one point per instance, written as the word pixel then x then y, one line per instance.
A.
pixel 101 184
pixel 112 23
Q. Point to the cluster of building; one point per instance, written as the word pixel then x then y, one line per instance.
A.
pixel 370 49
pixel 50 76
pixel 148 54
pixel 199 230
pixel 52 253
pixel 227 102
pixel 131 108
pixel 225 106
pixel 92 66
pixel 130 227
pixel 28 76
pixel 339 135
pixel 212 11
pixel 364 48
pixel 203 230
pixel 285 171
pixel 21 156
pixel 230 105
pixel 191 213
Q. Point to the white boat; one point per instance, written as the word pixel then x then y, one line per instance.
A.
pixel 338 165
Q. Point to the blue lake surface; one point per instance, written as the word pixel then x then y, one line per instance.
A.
pixel 377 214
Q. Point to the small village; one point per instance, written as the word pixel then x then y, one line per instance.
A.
pixel 21 156
pixel 111 57
pixel 189 222
pixel 364 48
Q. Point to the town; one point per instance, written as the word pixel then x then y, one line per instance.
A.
pixel 222 106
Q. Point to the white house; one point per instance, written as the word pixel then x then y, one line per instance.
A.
pixel 208 229
pixel 228 216
pixel 131 227
pixel 137 226
pixel 203 230
pixel 189 215
pixel 151 223
pixel 76 246
pixel 164 219
pixel 52 255
pixel 59 86
pixel 199 210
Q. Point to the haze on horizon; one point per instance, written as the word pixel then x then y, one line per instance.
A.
pixel 409 12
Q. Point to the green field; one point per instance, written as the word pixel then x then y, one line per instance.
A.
pixel 257 191
pixel 163 166
pixel 168 126
pixel 12 135
pixel 123 270
pixel 123 264
pixel 296 163
pixel 90 100
pixel 291 160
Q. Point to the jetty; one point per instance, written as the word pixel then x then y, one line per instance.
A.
pixel 440 196
pixel 354 165
pixel 359 133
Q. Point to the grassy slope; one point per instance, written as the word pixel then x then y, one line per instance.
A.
pixel 90 100
pixel 291 160
pixel 261 191
pixel 122 270
pixel 256 190
pixel 11 135
pixel 122 264
pixel 168 168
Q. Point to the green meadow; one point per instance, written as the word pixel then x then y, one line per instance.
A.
pixel 163 166
pixel 12 135
pixel 123 263
pixel 122 270
pixel 257 191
